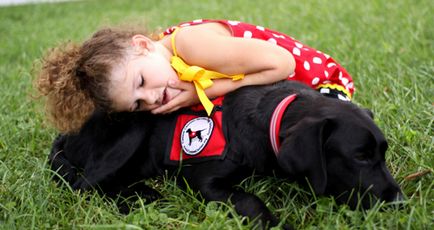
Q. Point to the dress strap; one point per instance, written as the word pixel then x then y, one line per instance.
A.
pixel 172 39
pixel 201 78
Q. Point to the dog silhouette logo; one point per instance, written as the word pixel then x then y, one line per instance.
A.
pixel 196 134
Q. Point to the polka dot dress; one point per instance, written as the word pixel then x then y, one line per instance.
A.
pixel 313 67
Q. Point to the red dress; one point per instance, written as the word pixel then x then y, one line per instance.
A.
pixel 313 67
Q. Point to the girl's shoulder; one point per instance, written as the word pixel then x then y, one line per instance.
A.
pixel 210 28
pixel 201 25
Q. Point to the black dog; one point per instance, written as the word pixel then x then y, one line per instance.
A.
pixel 331 144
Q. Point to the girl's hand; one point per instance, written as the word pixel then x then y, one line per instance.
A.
pixel 187 97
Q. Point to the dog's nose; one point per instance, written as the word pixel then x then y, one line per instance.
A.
pixel 398 198
pixel 392 194
pixel 397 201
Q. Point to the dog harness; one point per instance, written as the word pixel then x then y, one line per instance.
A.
pixel 275 121
pixel 198 137
pixel 312 67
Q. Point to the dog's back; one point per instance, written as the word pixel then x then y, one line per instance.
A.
pixel 247 113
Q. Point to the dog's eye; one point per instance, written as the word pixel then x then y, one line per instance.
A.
pixel 362 157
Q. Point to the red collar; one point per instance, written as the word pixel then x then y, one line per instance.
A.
pixel 276 119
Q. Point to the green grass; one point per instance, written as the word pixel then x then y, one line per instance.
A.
pixel 386 45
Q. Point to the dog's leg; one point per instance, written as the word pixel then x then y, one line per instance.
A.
pixel 125 196
pixel 215 182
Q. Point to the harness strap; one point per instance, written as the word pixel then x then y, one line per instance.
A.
pixel 276 119
pixel 201 77
pixel 345 93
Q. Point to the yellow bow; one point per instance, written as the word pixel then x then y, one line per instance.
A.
pixel 201 79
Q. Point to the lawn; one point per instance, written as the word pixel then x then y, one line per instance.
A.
pixel 387 46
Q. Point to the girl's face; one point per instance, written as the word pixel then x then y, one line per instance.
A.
pixel 141 82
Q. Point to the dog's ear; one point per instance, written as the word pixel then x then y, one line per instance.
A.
pixel 107 160
pixel 302 153
pixel 104 145
pixel 116 144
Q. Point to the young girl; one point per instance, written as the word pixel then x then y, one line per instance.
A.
pixel 118 70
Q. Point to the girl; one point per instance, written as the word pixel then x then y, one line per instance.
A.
pixel 119 70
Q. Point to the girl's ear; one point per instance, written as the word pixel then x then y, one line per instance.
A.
pixel 142 44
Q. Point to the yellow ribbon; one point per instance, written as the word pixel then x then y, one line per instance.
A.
pixel 201 78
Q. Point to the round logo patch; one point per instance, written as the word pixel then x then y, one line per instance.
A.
pixel 196 134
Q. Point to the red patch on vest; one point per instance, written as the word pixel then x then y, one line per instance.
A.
pixel 198 136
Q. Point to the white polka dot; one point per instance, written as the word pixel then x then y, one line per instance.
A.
pixel 261 28
pixel 296 51
pixel 324 90
pixel 326 82
pixel 299 45
pixel 326 74
pixel 278 36
pixel 317 60
pixel 234 23
pixel 247 34
pixel 340 75
pixel 344 81
pixel 272 40
pixel 197 21
pixel 327 56
pixel 315 81
pixel 343 98
pixel 350 85
pixel 331 64
pixel 307 49
pixel 306 65
pixel 185 24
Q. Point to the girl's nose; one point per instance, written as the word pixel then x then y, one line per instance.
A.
pixel 150 97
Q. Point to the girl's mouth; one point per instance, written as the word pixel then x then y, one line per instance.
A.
pixel 165 97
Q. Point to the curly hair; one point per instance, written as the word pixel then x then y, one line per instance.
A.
pixel 75 78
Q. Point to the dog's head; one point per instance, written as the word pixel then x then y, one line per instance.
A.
pixel 341 152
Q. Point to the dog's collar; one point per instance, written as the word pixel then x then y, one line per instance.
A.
pixel 276 119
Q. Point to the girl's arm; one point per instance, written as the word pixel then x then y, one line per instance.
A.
pixel 260 61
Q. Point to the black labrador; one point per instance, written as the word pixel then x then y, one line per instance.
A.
pixel 331 145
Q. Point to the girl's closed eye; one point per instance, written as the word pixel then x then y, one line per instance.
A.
pixel 142 81
pixel 137 103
